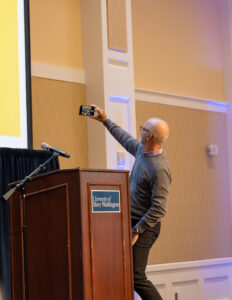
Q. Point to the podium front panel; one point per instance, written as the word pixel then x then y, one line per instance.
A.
pixel 49 266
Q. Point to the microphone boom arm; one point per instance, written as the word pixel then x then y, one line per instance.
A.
pixel 20 185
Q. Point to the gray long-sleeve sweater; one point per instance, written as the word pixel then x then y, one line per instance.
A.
pixel 150 180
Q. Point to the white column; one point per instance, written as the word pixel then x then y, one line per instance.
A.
pixel 109 83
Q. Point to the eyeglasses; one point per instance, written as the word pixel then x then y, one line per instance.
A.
pixel 145 129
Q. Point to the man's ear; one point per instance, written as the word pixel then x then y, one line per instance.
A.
pixel 149 136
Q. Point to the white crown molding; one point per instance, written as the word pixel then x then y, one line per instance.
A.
pixel 78 76
pixel 179 100
pixel 57 73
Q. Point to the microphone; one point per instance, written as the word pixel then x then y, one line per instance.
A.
pixel 45 146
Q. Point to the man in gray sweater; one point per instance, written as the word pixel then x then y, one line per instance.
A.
pixel 150 180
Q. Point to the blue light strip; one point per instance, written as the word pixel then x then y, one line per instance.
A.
pixel 119 98
pixel 117 60
pixel 124 51
pixel 218 103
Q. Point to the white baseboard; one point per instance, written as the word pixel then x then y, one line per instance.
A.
pixel 193 280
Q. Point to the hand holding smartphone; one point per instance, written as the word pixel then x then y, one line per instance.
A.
pixel 89 110
pixel 86 110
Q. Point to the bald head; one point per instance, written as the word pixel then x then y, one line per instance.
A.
pixel 159 129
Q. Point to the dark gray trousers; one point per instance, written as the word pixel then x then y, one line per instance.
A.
pixel 142 285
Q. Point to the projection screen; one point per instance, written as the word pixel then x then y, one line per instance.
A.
pixel 15 84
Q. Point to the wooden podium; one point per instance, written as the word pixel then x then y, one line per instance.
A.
pixel 78 242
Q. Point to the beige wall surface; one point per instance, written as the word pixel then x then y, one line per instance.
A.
pixel 197 225
pixel 177 47
pixel 55 106
pixel 56 32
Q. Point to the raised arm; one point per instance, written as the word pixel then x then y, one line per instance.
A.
pixel 122 136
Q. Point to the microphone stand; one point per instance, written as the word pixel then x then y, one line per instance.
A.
pixel 21 188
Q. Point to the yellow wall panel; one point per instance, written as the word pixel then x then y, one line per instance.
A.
pixel 9 75
pixel 56 32
pixel 55 106
pixel 177 47
pixel 198 222
pixel 116 21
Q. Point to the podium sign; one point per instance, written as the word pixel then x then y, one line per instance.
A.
pixel 105 201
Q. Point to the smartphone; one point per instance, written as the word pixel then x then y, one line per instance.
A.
pixel 86 110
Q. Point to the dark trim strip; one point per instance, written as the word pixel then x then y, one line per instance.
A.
pixel 28 73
